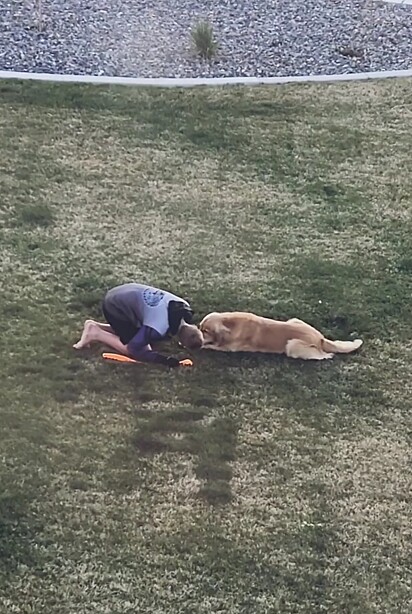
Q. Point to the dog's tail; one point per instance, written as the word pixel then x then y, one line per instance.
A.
pixel 341 347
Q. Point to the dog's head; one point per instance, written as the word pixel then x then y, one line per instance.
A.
pixel 213 330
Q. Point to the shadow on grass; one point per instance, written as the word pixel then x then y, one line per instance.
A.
pixel 197 119
pixel 190 431
pixel 18 527
pixel 35 215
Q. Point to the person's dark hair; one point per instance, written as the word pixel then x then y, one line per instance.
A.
pixel 178 311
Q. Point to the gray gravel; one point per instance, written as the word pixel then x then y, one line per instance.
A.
pixel 151 38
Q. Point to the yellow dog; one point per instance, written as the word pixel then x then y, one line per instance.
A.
pixel 246 332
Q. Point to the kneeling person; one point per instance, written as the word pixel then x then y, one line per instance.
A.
pixel 138 315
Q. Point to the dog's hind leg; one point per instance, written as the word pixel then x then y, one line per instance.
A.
pixel 295 348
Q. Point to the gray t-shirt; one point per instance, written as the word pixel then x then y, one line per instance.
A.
pixel 142 305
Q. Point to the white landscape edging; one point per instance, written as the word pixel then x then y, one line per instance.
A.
pixel 197 81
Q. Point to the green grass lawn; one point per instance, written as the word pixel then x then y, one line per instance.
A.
pixel 249 484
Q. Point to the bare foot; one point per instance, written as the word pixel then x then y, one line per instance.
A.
pixel 85 339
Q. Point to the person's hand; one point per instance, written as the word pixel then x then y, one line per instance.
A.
pixel 186 362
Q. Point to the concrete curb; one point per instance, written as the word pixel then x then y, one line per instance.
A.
pixel 197 81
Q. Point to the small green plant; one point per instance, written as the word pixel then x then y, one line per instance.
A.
pixel 203 39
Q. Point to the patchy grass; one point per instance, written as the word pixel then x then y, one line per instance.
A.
pixel 36 215
pixel 249 483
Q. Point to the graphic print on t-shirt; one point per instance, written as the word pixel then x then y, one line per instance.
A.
pixel 152 297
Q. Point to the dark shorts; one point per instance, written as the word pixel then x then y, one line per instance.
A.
pixel 124 330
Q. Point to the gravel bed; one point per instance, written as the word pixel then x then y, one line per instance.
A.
pixel 151 38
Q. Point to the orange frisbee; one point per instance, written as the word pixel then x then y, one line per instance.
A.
pixel 186 362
